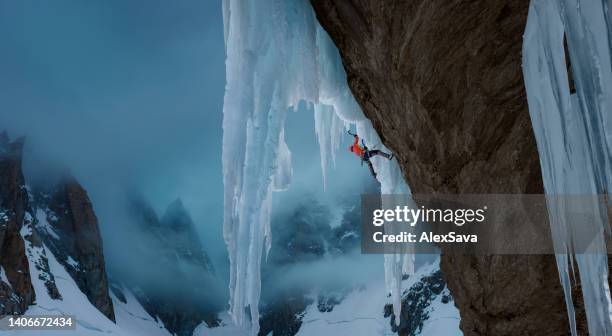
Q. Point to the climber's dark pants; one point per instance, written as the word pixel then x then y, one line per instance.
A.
pixel 375 152
pixel 368 154
pixel 371 168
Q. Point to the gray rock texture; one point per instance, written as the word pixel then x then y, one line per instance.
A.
pixel 79 248
pixel 441 81
pixel 19 294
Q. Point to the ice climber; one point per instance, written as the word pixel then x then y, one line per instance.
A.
pixel 365 154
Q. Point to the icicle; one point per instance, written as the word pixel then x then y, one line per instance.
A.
pixel 573 134
pixel 283 171
pixel 329 129
pixel 277 56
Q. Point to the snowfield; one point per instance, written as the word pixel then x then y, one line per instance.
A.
pixel 132 319
pixel 361 313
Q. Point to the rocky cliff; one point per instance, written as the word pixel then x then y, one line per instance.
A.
pixel 442 83
pixel 418 303
pixel 69 228
pixel 16 291
pixel 60 221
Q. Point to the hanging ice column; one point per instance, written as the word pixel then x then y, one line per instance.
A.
pixel 574 135
pixel 277 56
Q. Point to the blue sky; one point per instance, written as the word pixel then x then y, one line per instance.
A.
pixel 131 93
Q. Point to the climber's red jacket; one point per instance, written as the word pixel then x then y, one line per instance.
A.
pixel 355 148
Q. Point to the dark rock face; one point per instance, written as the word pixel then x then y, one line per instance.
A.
pixel 327 301
pixel 19 293
pixel 304 234
pixel 300 236
pixel 178 287
pixel 284 317
pixel 75 235
pixel 180 229
pixel 37 255
pixel 416 302
pixel 76 242
pixel 442 83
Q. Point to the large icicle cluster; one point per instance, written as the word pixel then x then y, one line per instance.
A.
pixel 574 135
pixel 277 56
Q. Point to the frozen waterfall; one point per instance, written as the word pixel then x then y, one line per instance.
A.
pixel 277 56
pixel 574 135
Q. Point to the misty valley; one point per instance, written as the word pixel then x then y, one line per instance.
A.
pixel 305 167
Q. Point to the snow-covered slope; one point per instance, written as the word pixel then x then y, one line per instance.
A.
pixel 225 328
pixel 362 312
pixel 132 320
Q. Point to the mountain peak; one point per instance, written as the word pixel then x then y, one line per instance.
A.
pixel 11 148
pixel 177 216
pixel 177 204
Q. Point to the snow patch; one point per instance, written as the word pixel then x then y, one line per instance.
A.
pixel 226 328
pixel 73 263
pixel 4 216
pixel 361 312
pixel 43 225
pixel 89 320
pixel 134 319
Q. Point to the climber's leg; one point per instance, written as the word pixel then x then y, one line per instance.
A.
pixel 371 168
pixel 375 152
